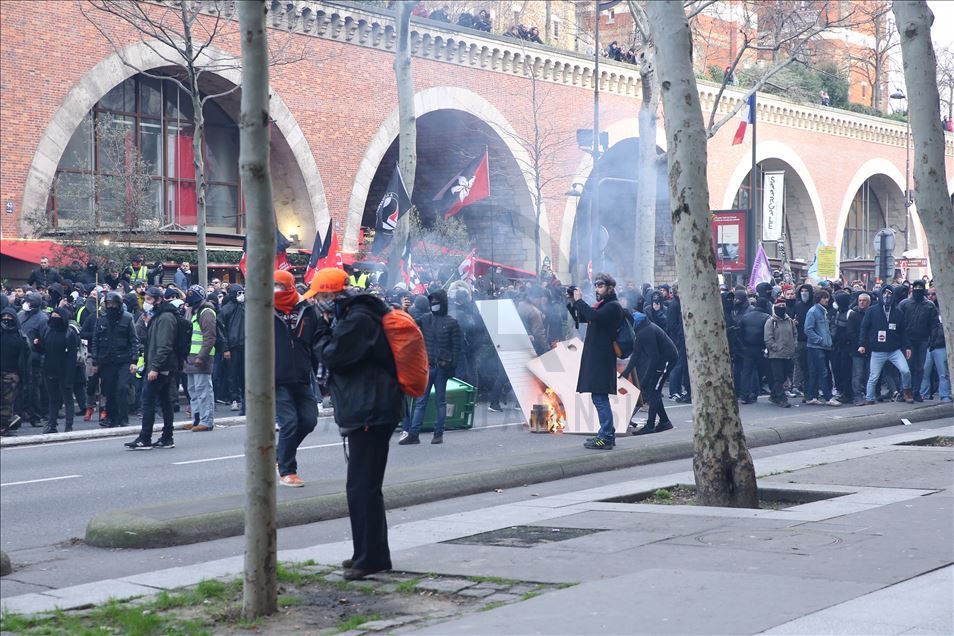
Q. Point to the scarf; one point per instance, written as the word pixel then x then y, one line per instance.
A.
pixel 285 301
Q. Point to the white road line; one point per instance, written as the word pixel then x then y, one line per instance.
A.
pixel 36 481
pixel 217 459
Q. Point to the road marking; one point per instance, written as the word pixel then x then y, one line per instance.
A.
pixel 218 459
pixel 36 481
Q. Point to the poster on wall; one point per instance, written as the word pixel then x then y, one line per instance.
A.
pixel 728 239
pixel 773 194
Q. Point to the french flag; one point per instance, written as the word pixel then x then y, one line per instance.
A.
pixel 747 114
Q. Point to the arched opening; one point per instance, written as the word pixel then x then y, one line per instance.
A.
pixel 613 216
pixel 800 234
pixel 503 226
pixel 877 204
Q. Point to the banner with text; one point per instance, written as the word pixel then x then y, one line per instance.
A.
pixel 728 239
pixel 773 193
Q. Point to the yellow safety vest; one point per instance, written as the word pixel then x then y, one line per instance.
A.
pixel 142 274
pixel 197 334
pixel 360 281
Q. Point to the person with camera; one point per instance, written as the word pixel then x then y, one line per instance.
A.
pixel 598 365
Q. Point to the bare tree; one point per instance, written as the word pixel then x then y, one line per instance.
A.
pixel 945 78
pixel 933 200
pixel 183 34
pixel 875 62
pixel 407 135
pixel 100 216
pixel 260 591
pixel 723 468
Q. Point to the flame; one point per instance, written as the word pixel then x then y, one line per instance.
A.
pixel 556 416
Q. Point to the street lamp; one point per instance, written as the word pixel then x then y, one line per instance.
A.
pixel 908 195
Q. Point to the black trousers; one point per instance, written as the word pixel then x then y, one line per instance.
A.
pixel 652 391
pixel 115 379
pixel 60 390
pixel 368 449
pixel 237 375
pixel 781 369
pixel 153 392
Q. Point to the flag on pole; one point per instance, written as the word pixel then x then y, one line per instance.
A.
pixel 408 273
pixel 747 115
pixel 394 204
pixel 469 186
pixel 761 272
pixel 324 253
pixel 467 266
pixel 281 256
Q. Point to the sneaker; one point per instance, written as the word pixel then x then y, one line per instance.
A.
pixel 292 481
pixel 598 444
pixel 14 423
pixel 138 444
pixel 663 426
pixel 645 430
pixel 833 402
pixel 814 402
pixel 162 442
pixel 494 407
pixel 685 398
pixel 408 438
pixel 235 406
pixel 908 397
pixel 49 429
pixel 437 439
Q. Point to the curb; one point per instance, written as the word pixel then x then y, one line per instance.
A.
pixel 142 527
pixel 119 431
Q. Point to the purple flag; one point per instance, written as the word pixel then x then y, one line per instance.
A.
pixel 761 272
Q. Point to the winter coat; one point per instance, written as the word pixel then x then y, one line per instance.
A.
pixel 44 277
pixel 752 331
pixel 652 351
pixel 937 340
pixel 840 339
pixel 817 331
pixel 233 316
pixel 59 347
pixel 919 319
pixel 184 280
pixel 14 347
pixel 882 330
pixel 853 329
pixel 33 324
pixel 802 308
pixel 160 353
pixel 362 375
pixel 779 335
pixel 442 335
pixel 675 328
pixel 207 319
pixel 295 337
pixel 598 363
pixel 660 316
pixel 114 341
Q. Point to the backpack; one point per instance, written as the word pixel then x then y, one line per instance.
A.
pixel 183 342
pixel 625 338
pixel 410 354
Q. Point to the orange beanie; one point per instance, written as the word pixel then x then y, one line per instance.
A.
pixel 329 279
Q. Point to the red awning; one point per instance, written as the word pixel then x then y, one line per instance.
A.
pixel 30 251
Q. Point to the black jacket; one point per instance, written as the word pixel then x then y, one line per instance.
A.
pixel 295 336
pixel 882 331
pixel 652 351
pixel 919 319
pixel 160 353
pixel 752 331
pixel 853 328
pixel 598 363
pixel 59 346
pixel 115 341
pixel 233 316
pixel 14 347
pixel 442 336
pixel 801 309
pixel 44 277
pixel 937 340
pixel 675 328
pixel 362 375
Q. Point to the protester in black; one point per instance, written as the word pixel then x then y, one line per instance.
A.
pixel 115 350
pixel 654 355
pixel 14 367
pixel 58 344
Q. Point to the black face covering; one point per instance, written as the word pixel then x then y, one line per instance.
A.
pixel 8 324
pixel 114 312
pixel 780 312
pixel 887 299
pixel 57 323
pixel 917 294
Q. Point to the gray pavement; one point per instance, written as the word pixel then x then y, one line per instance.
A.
pixel 876 559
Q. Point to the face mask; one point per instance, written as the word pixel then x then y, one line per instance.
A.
pixel 115 312
pixel 804 296
pixel 887 298
pixel 26 306
pixel 74 295
pixel 435 308
pixel 917 294
pixel 780 312
pixel 7 324
pixel 147 307
pixel 240 298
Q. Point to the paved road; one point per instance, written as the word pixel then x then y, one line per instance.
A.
pixel 48 493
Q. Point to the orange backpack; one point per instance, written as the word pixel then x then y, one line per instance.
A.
pixel 410 353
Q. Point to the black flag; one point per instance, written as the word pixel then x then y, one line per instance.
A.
pixel 394 204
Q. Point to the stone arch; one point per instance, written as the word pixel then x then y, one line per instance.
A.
pixel 426 101
pixel 777 150
pixel 107 74
pixel 873 168
pixel 622 129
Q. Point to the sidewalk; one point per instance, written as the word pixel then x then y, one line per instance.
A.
pixel 875 558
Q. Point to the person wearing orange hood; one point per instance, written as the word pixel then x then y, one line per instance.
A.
pixel 296 324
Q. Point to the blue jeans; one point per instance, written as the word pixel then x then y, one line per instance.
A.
pixel 817 374
pixel 436 378
pixel 878 359
pixel 200 397
pixel 297 412
pixel 936 359
pixel 607 432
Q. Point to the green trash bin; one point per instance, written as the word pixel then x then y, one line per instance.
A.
pixel 461 399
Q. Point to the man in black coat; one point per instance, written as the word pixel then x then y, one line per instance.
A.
pixel 233 317
pixel 882 336
pixel 443 338
pixel 654 355
pixel 859 361
pixel 598 363
pixel 752 344
pixel 920 316
pixel 115 350
pixel 44 276
pixel 14 367
pixel 58 344
pixel 679 379
pixel 804 300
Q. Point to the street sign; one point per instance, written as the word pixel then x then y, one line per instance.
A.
pixel 915 262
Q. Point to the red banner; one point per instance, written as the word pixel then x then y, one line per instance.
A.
pixel 728 240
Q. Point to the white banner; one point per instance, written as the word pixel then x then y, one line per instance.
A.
pixel 773 193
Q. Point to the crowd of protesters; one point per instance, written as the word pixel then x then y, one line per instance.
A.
pixel 75 340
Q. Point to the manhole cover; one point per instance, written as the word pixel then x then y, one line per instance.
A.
pixel 779 541
pixel 524 536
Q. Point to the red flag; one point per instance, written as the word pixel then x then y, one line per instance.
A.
pixel 471 185
pixel 466 267
pixel 324 253
pixel 748 117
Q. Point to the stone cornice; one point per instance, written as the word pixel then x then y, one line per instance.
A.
pixel 372 27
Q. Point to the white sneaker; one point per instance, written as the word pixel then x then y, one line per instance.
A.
pixel 833 402
pixel 235 406
pixel 404 436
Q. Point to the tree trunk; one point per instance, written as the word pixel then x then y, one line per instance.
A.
pixel 202 259
pixel 914 20
pixel 260 595
pixel 644 266
pixel 722 465
pixel 407 136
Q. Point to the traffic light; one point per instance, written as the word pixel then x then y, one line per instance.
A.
pixel 884 254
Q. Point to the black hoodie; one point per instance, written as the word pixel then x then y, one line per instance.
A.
pixel 59 345
pixel 801 309
pixel 882 328
pixel 442 335
pixel 14 346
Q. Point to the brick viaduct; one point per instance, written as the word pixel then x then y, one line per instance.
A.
pixel 335 112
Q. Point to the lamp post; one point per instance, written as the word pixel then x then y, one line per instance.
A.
pixel 908 198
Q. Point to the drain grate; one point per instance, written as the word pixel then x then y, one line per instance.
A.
pixel 524 536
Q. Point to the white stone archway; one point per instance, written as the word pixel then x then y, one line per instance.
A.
pixel 869 169
pixel 426 101
pixel 112 71
pixel 617 131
